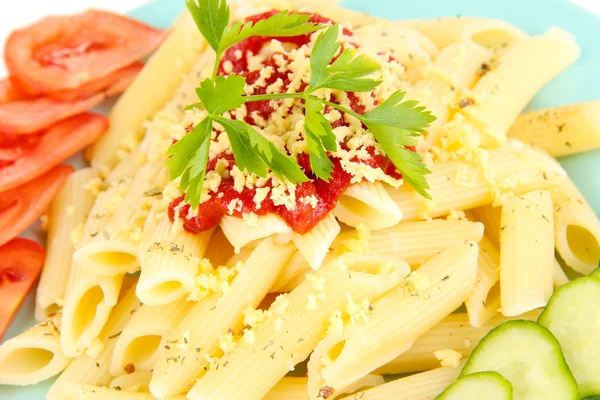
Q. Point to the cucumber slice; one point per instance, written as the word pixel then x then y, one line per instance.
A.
pixel 477 386
pixel 596 272
pixel 573 317
pixel 529 357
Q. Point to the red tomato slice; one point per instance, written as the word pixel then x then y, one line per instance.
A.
pixel 62 53
pixel 111 85
pixel 10 92
pixel 57 144
pixel 30 116
pixel 13 146
pixel 21 206
pixel 21 261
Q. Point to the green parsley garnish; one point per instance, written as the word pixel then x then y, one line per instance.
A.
pixel 393 123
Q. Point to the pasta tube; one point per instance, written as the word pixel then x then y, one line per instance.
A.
pixel 68 211
pixel 576 229
pixel 296 324
pixel 397 320
pixel 199 336
pixel 458 186
pixel 526 252
pixel 33 356
pixel 453 332
pixel 561 131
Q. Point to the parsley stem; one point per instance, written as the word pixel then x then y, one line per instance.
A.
pixel 341 108
pixel 216 67
pixel 301 95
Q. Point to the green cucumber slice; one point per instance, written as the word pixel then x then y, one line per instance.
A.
pixel 573 317
pixel 596 272
pixel 529 357
pixel 477 386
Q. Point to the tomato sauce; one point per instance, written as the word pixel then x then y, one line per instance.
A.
pixel 303 217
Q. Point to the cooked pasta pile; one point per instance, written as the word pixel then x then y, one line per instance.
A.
pixel 371 290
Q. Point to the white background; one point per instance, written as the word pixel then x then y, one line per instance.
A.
pixel 15 13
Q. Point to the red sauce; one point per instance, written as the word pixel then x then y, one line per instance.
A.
pixel 303 217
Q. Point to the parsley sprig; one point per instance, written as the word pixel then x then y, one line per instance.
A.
pixel 394 123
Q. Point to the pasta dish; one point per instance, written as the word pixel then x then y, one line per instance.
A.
pixel 291 200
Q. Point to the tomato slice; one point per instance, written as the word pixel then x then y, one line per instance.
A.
pixel 30 116
pixel 21 206
pixel 63 53
pixel 111 85
pixel 10 92
pixel 57 144
pixel 13 146
pixel 21 261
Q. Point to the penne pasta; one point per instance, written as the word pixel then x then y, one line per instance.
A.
pixel 418 242
pixel 296 324
pixel 455 70
pixel 199 336
pixel 184 44
pixel 502 94
pixel 561 131
pixel 460 186
pixel 142 341
pixel 115 251
pixel 410 47
pixel 490 217
pixel 455 333
pixel 396 321
pixel 412 242
pixel 240 233
pixel 88 370
pixel 478 307
pixel 576 229
pixel 72 391
pixel 493 33
pixel 526 252
pixel 367 204
pixel 135 382
pixel 170 263
pixel 33 356
pixel 422 386
pixel 68 211
pixel 314 245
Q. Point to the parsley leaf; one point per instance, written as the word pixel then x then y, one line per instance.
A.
pixel 281 24
pixel 320 137
pixel 346 73
pixel 407 115
pixel 222 94
pixel 211 18
pixel 325 48
pixel 253 152
pixel 393 140
pixel 188 159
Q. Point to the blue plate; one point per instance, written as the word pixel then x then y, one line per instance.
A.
pixel 579 83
